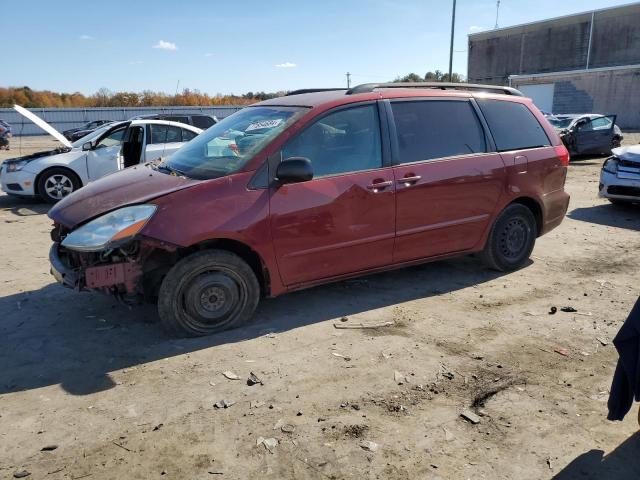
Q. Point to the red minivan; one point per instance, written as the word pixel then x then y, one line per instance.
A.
pixel 313 187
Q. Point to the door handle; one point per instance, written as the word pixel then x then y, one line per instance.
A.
pixel 410 180
pixel 379 185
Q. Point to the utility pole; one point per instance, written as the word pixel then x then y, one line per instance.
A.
pixel 453 25
pixel 348 80
pixel 497 12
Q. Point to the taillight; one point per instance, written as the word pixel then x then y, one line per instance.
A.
pixel 563 154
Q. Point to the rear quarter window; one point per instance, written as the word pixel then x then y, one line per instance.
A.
pixel 513 125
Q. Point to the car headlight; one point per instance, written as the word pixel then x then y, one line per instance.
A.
pixel 16 166
pixel 109 230
pixel 610 165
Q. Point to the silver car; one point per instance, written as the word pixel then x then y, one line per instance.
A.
pixel 620 175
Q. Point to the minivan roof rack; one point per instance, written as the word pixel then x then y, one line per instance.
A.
pixel 312 90
pixel 370 87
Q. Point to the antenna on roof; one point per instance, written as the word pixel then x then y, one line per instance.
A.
pixel 348 80
pixel 497 12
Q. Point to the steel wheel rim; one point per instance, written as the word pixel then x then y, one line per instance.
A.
pixel 58 186
pixel 514 238
pixel 212 298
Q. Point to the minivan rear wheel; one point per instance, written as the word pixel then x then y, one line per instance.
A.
pixel 207 292
pixel 511 239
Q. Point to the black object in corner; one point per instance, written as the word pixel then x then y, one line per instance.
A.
pixel 626 379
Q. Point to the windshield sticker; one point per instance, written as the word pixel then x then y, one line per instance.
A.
pixel 264 124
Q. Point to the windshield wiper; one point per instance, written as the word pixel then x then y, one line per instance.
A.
pixel 166 168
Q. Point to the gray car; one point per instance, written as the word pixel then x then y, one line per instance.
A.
pixel 587 133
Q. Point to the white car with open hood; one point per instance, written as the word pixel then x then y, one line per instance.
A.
pixel 54 174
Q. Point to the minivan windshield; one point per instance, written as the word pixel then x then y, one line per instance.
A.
pixel 227 146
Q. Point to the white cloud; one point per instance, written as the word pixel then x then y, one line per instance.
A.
pixel 136 62
pixel 285 65
pixel 475 29
pixel 165 45
pixel 208 54
pixel 85 37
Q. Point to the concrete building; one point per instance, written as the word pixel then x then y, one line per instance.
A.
pixel 587 62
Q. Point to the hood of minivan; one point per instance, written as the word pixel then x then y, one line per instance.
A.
pixel 131 186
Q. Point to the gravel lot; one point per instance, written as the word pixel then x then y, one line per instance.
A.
pixel 121 400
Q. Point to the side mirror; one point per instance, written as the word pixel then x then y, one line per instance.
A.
pixel 294 170
pixel 86 146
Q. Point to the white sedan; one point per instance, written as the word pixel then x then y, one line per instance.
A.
pixel 53 175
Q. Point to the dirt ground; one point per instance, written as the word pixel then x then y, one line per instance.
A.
pixel 119 399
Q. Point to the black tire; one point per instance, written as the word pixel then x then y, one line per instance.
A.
pixel 56 183
pixel 511 240
pixel 616 201
pixel 207 292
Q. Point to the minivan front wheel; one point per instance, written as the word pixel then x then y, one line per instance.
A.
pixel 207 292
pixel 511 239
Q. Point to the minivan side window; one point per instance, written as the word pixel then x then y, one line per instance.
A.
pixel 512 125
pixel 341 142
pixel 430 129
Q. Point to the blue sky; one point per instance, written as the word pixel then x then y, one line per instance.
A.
pixel 237 46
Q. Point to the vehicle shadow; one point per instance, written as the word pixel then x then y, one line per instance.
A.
pixel 587 160
pixel 23 207
pixel 621 464
pixel 621 216
pixel 56 336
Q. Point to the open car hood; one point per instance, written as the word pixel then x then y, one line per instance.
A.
pixel 629 153
pixel 43 125
pixel 130 186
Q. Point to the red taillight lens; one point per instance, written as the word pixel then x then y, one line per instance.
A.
pixel 563 154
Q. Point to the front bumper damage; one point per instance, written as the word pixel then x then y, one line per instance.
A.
pixel 72 270
pixel 623 185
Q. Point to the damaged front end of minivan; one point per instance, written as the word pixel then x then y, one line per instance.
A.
pixel 108 256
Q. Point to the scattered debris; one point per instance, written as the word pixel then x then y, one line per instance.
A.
pixel 288 428
pixel 553 310
pixel 562 351
pixel 256 404
pixel 364 325
pixel 158 427
pixel 355 431
pixel 602 341
pixel 549 463
pixel 448 436
pixel 253 379
pixel 269 443
pixel 481 397
pixel 211 382
pixel 299 414
pixel 399 377
pixel 339 355
pixel 121 446
pixel 21 474
pixel 223 403
pixel 213 472
pixel 368 445
pixel 568 309
pixel 231 375
pixel 49 448
pixel 469 416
